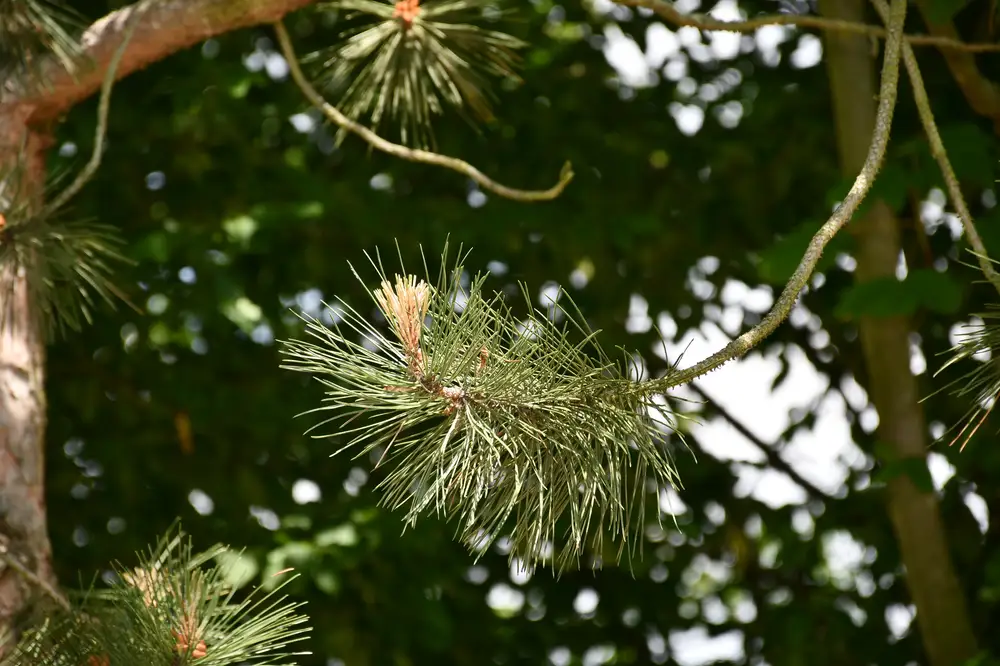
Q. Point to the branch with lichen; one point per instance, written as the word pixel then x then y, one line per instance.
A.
pixel 937 149
pixel 338 118
pixel 888 91
pixel 666 10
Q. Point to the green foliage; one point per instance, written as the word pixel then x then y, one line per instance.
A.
pixel 922 288
pixel 488 417
pixel 66 264
pixel 407 60
pixel 740 566
pixel 941 11
pixel 171 610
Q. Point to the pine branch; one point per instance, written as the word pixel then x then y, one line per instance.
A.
pixel 666 10
pixel 175 607
pixel 403 152
pixel 840 217
pixel 409 59
pixel 504 424
pixel 66 265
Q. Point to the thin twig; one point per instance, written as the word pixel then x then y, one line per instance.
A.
pixel 774 458
pixel 34 579
pixel 402 152
pixel 841 216
pixel 104 103
pixel 666 10
pixel 941 155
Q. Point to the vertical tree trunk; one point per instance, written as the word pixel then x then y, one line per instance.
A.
pixel 23 530
pixel 942 615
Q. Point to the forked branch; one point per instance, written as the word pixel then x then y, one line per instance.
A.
pixel 841 216
pixel 666 10
pixel 941 155
pixel 337 117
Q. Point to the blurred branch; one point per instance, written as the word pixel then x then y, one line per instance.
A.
pixel 982 94
pixel 165 28
pixel 666 10
pixel 103 105
pixel 774 458
pixel 841 216
pixel 403 152
pixel 941 155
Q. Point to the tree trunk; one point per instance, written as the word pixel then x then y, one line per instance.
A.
pixel 942 615
pixel 165 27
pixel 23 531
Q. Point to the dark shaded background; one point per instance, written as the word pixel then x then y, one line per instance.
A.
pixel 201 152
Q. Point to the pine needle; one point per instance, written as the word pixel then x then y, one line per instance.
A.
pixel 30 29
pixel 516 427
pixel 981 384
pixel 174 608
pixel 407 61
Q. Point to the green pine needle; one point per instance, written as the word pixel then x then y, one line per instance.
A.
pixel 521 427
pixel 67 265
pixel 174 609
pixel 407 61
pixel 981 384
pixel 30 29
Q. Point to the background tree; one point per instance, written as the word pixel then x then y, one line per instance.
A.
pixel 244 214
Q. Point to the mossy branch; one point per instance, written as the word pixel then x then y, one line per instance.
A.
pixel 941 155
pixel 666 10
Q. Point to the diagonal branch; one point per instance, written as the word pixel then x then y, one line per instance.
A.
pixel 841 216
pixel 774 458
pixel 410 154
pixel 666 10
pixel 941 155
pixel 165 27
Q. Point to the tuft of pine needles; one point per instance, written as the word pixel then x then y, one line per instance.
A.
pixel 174 609
pixel 981 384
pixel 409 60
pixel 65 265
pixel 30 29
pixel 513 427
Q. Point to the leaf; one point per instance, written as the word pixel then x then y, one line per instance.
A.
pixel 972 153
pixel 889 297
pixel 942 11
pixel 915 468
pixel 938 292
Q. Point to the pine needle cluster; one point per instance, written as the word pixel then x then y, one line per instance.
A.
pixel 409 60
pixel 981 384
pixel 66 265
pixel 175 609
pixel 516 427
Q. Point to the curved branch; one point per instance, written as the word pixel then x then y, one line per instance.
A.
pixel 666 10
pixel 103 105
pixel 402 152
pixel 941 155
pixel 841 216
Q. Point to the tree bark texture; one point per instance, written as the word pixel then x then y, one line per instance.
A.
pixel 28 113
pixel 942 613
